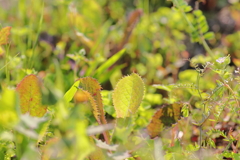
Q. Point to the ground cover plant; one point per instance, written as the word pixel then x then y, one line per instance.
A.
pixel 99 79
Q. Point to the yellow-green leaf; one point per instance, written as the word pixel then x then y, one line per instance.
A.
pixel 164 117
pixel 128 95
pixel 71 92
pixel 30 96
pixel 4 34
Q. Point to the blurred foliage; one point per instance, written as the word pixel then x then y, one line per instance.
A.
pixel 186 52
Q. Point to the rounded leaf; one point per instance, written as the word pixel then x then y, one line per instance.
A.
pixel 128 95
pixel 30 96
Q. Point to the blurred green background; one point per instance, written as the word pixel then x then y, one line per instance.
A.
pixel 63 40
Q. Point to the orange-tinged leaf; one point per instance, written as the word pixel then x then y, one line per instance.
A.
pixel 92 101
pixel 164 117
pixel 236 62
pixel 80 96
pixel 4 34
pixel 30 96
pixel 92 86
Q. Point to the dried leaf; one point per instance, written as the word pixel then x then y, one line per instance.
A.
pixel 164 117
pixel 4 34
pixel 128 95
pixel 30 96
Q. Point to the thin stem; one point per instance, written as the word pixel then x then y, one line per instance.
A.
pixel 200 137
pixel 207 48
pixel 230 89
pixel 198 80
pixel 7 63
pixel 228 146
pixel 203 41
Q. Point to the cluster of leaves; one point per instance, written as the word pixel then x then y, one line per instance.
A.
pixel 184 115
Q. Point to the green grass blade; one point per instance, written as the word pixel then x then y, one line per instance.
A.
pixel 109 63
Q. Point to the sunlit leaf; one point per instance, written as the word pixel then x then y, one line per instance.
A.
pixel 164 117
pixel 92 89
pixel 164 87
pixel 128 95
pixel 71 92
pixel 185 110
pixel 30 96
pixel 209 35
pixel 88 89
pixel 107 64
pixel 123 129
pixel 187 8
pixel 192 147
pixel 4 34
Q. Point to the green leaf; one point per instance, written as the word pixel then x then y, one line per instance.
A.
pixel 197 13
pixel 128 95
pixel 71 92
pixel 236 156
pixel 209 35
pixel 104 77
pixel 154 99
pixel 185 110
pixel 201 19
pixel 123 129
pixel 192 147
pixel 109 63
pixel 164 87
pixel 204 28
pixel 187 9
pixel 30 96
pixel 211 143
pixel 189 76
pixel 228 154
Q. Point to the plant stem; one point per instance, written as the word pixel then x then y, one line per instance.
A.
pixel 207 48
pixel 230 89
pixel 6 62
pixel 227 147
pixel 36 40
pixel 203 41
